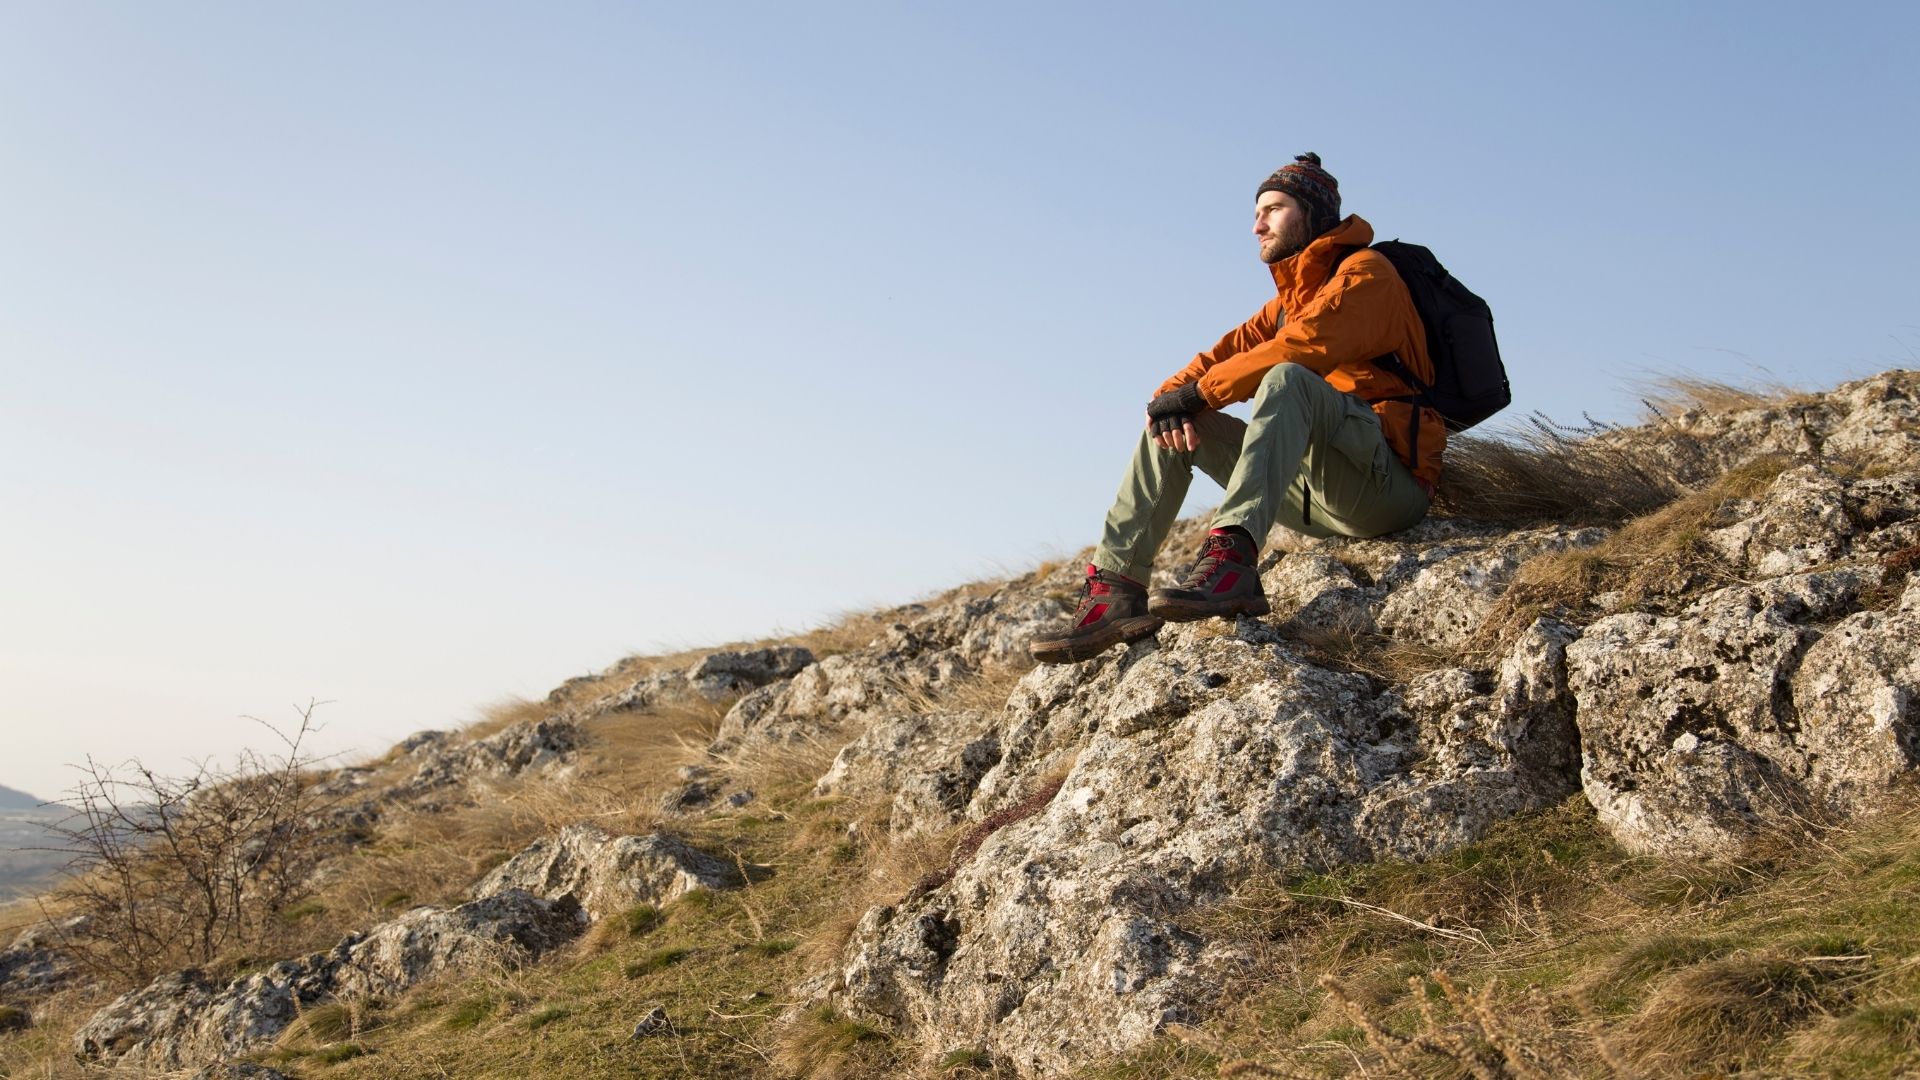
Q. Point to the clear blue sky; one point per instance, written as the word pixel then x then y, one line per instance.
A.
pixel 417 355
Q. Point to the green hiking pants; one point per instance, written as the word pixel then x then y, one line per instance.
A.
pixel 1312 459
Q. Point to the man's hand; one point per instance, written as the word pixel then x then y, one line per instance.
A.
pixel 1170 418
pixel 1173 432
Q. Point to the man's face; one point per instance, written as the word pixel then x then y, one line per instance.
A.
pixel 1280 225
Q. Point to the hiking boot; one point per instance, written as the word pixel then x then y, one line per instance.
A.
pixel 1225 581
pixel 1114 611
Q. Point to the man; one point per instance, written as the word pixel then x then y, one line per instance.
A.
pixel 1335 446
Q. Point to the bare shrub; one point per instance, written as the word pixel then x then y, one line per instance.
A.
pixel 181 870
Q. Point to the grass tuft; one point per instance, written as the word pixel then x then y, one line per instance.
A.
pixel 334 1055
pixel 470 1013
pixel 657 960
pixel 823 1043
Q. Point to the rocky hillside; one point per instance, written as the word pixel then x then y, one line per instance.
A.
pixel 894 848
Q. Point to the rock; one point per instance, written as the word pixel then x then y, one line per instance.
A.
pixel 926 652
pixel 1444 600
pixel 641 693
pixel 507 927
pixel 1887 510
pixel 1858 696
pixel 1693 735
pixel 1189 765
pixel 655 1022
pixel 1314 592
pixel 724 674
pixel 926 764
pixel 532 746
pixel 1799 523
pixel 853 688
pixel 423 740
pixel 604 874
pixel 35 965
pixel 182 1019
pixel 345 781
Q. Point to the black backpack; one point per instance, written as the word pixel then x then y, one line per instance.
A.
pixel 1469 382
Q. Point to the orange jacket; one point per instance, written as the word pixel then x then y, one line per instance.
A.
pixel 1332 327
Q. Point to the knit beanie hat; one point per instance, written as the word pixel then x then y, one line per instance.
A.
pixel 1314 186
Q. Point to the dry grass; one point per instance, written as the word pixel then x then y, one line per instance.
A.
pixel 1651 562
pixel 1669 394
pixel 1592 473
pixel 1803 958
pixel 1381 657
pixel 985 692
pixel 884 871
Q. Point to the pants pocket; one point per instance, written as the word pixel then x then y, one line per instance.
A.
pixel 1361 442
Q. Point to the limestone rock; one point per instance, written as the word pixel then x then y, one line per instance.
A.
pixel 926 764
pixel 182 1019
pixel 724 674
pixel 532 746
pixel 34 964
pixel 1442 598
pixel 1801 522
pixel 1692 733
pixel 605 874
pixel 930 649
pixel 507 927
pixel 1858 695
pixel 1189 764
pixel 1314 592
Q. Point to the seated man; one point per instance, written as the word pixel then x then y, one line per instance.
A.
pixel 1335 445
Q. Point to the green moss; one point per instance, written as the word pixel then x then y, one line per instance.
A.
pixel 773 946
pixel 548 1015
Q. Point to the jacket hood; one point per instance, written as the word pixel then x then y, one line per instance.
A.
pixel 1298 277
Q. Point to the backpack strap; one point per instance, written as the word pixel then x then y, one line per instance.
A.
pixel 1390 363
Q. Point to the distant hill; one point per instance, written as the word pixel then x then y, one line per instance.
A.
pixel 17 800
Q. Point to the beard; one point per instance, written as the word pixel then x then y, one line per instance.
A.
pixel 1288 243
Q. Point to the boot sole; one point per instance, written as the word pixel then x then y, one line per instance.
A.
pixel 1175 610
pixel 1074 650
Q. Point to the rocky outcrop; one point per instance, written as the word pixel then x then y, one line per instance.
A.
pixel 725 674
pixel 1766 703
pixel 1189 764
pixel 184 1019
pixel 925 764
pixel 604 874
pixel 34 964
pixel 912 659
pixel 533 746
pixel 1199 758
